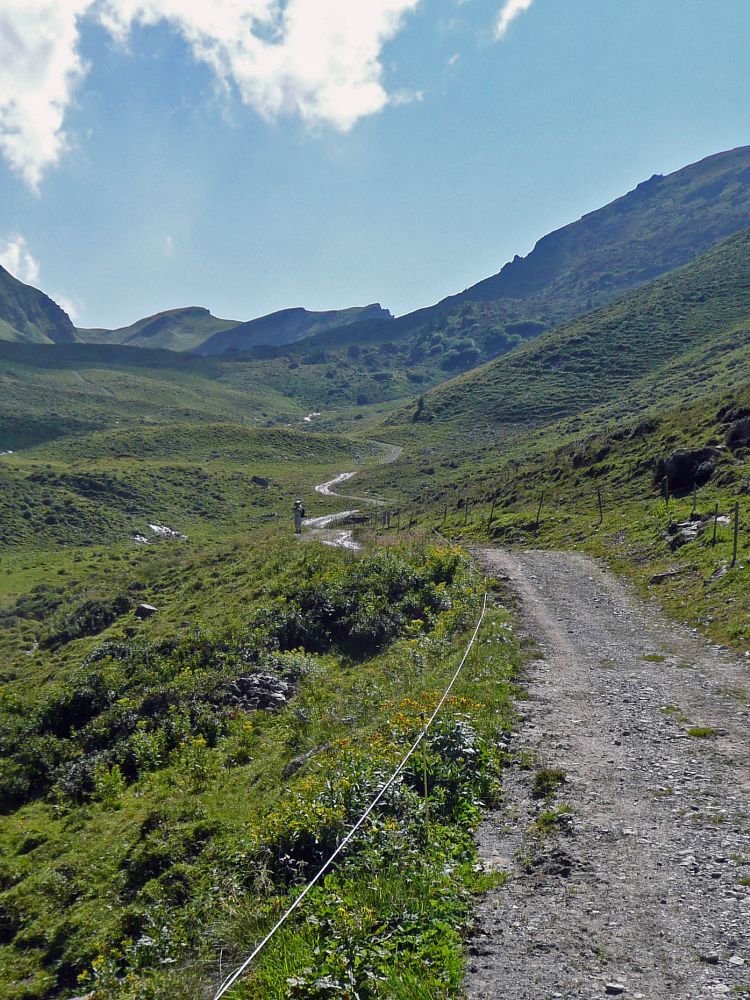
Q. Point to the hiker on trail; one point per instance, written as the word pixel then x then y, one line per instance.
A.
pixel 299 512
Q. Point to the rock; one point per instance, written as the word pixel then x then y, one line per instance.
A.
pixel 260 481
pixel 259 691
pixel 164 532
pixel 682 532
pixel 296 763
pixel 686 468
pixel 668 574
pixel 614 989
pixel 736 960
pixel 738 434
pixel 711 958
pixel 145 611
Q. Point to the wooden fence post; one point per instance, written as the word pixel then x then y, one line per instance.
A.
pixel 716 521
pixel 736 532
pixel 445 512
pixel 398 519
pixel 539 511
pixel 466 509
pixel 601 507
pixel 695 498
pixel 492 514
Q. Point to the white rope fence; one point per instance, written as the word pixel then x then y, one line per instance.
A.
pixel 234 976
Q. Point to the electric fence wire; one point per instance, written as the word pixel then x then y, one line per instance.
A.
pixel 234 976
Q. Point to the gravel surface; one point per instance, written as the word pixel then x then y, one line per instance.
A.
pixel 638 890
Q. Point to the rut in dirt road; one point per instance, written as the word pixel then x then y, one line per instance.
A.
pixel 642 889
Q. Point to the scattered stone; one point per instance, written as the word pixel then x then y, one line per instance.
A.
pixel 259 691
pixel 736 960
pixel 164 532
pixel 260 481
pixel 145 611
pixel 711 958
pixel 668 574
pixel 614 989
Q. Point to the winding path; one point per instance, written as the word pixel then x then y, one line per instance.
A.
pixel 323 526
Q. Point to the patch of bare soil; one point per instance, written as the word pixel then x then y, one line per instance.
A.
pixel 641 889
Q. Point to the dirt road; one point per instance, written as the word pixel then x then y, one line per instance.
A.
pixel 642 890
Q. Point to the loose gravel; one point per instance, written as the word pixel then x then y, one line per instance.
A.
pixel 642 888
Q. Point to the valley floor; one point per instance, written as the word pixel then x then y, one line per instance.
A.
pixel 632 877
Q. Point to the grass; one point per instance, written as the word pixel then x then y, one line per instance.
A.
pixel 134 871
pixel 547 781
pixel 701 732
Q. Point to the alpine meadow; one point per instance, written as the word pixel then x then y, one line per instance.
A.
pixel 354 652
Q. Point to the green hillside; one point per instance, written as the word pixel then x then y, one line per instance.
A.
pixel 669 338
pixel 661 225
pixel 289 326
pixel 29 316
pixel 174 330
pixel 49 391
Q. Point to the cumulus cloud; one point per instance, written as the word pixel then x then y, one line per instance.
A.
pixel 511 10
pixel 319 60
pixel 16 257
pixel 39 69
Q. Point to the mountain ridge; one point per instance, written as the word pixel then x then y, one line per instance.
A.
pixel 28 314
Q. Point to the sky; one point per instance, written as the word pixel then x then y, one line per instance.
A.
pixel 252 155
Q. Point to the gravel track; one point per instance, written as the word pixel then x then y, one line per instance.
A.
pixel 637 891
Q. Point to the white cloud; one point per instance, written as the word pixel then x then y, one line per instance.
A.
pixel 69 305
pixel 16 257
pixel 168 245
pixel 39 68
pixel 319 59
pixel 510 11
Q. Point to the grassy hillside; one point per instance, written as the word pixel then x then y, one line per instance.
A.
pixel 29 316
pixel 168 784
pixel 49 391
pixel 288 326
pixel 671 337
pixel 198 480
pixel 174 330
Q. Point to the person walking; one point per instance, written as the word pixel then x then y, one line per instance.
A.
pixel 299 512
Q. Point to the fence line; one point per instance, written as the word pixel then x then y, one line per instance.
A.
pixel 232 978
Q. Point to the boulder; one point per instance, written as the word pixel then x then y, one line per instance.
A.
pixel 145 611
pixel 259 691
pixel 738 434
pixel 686 468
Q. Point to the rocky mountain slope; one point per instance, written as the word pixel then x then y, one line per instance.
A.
pixel 30 316
pixel 671 337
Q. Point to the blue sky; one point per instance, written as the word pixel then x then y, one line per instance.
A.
pixel 249 155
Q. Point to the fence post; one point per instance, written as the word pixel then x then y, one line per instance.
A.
pixel 736 532
pixel 695 498
pixel 445 512
pixel 539 511
pixel 665 481
pixel 492 514
pixel 466 510
pixel 398 519
pixel 716 521
pixel 601 507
